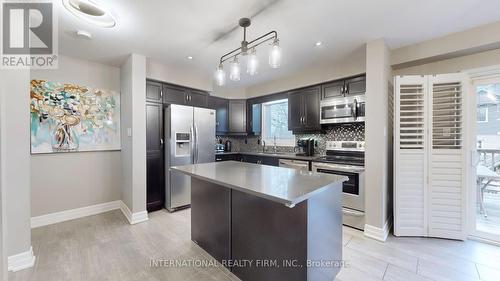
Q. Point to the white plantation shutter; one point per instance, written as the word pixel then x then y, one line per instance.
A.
pixel 429 186
pixel 447 183
pixel 410 157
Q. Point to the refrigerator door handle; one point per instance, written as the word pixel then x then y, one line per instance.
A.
pixel 196 143
pixel 191 143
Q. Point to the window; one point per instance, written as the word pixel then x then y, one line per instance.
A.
pixel 275 123
pixel 482 114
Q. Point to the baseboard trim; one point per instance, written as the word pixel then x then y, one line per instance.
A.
pixel 133 218
pixel 74 214
pixel 21 261
pixel 378 233
pixel 484 240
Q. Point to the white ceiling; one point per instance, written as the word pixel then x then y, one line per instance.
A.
pixel 168 31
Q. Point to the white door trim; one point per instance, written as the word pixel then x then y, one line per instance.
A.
pixel 491 75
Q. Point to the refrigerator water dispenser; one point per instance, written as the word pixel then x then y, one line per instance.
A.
pixel 182 144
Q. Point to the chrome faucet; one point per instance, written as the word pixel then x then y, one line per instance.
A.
pixel 263 143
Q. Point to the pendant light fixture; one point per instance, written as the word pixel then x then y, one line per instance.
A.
pixel 275 54
pixel 252 61
pixel 234 74
pixel 220 76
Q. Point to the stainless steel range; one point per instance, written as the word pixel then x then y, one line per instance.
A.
pixel 347 158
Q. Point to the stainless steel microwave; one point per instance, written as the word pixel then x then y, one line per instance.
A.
pixel 343 110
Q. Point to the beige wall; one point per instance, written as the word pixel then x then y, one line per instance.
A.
pixel 230 92
pixel 178 76
pixel 478 39
pixel 462 63
pixel 66 181
pixel 354 64
pixel 15 161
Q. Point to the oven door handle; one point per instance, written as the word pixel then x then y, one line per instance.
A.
pixel 352 213
pixel 316 166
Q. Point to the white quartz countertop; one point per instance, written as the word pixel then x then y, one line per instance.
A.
pixel 282 185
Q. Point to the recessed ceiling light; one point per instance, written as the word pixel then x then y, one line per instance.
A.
pixel 190 58
pixel 318 43
pixel 90 12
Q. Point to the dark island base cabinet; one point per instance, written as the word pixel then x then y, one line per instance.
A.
pixel 233 226
pixel 267 232
pixel 211 218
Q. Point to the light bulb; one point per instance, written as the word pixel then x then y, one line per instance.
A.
pixel 220 76
pixel 234 72
pixel 252 63
pixel 275 54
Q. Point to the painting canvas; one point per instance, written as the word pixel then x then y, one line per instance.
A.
pixel 71 118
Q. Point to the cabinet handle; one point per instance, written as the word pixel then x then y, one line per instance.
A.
pixel 161 93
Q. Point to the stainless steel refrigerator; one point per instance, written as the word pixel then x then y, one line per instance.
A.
pixel 190 132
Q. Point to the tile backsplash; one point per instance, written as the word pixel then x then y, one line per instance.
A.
pixel 343 132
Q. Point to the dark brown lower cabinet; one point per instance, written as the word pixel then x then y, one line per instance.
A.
pixel 155 191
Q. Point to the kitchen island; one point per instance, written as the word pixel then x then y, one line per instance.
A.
pixel 267 223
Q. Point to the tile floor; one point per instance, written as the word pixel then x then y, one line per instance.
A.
pixel 106 247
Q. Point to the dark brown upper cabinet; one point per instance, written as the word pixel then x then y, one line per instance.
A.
pixel 356 85
pixel 153 91
pixel 237 117
pixel 197 98
pixel 185 96
pixel 221 107
pixel 174 94
pixel 303 109
pixel 332 90
pixel 254 117
pixel 344 87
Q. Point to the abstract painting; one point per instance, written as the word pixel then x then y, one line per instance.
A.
pixel 71 118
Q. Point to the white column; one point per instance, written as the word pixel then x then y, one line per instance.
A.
pixel 133 125
pixel 377 136
pixel 15 165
